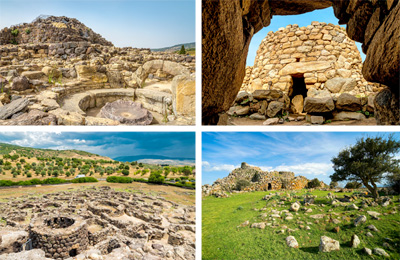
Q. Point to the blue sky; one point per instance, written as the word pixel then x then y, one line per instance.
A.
pixel 135 23
pixel 304 153
pixel 111 144
pixel 324 15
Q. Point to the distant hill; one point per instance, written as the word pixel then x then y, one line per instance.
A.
pixel 177 47
pixel 37 152
pixel 142 157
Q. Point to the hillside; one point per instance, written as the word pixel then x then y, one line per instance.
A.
pixel 19 163
pixel 142 157
pixel 37 152
pixel 177 47
pixel 51 29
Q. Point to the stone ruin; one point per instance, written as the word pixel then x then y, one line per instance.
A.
pixel 59 237
pixel 96 222
pixel 228 27
pixel 64 80
pixel 314 70
pixel 259 181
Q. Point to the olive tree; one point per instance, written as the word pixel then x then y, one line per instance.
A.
pixel 369 162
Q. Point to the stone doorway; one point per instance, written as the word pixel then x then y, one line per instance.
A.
pixel 299 86
pixel 73 252
pixel 297 93
pixel 269 186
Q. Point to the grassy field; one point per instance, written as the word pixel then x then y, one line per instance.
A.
pixel 176 194
pixel 223 239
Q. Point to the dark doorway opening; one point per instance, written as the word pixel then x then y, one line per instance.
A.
pixel 73 252
pixel 299 86
pixel 269 186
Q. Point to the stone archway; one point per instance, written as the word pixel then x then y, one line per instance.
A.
pixel 228 27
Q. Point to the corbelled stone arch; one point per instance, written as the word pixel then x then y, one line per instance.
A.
pixel 228 27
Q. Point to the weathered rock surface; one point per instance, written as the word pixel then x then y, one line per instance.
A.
pixel 318 105
pixel 348 102
pixel 328 244
pixel 360 220
pixel 292 242
pixel 13 108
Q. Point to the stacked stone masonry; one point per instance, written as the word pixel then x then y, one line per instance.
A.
pixel 315 69
pixel 317 53
pixel 258 179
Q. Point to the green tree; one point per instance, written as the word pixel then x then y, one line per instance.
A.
pixel 353 185
pixel 241 184
pixel 125 172
pixel 182 51
pixel 333 184
pixel 369 161
pixel 314 183
pixel 156 177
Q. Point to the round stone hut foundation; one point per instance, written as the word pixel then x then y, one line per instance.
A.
pixel 60 237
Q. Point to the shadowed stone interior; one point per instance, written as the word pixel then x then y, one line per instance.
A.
pixel 127 112
pixel 59 222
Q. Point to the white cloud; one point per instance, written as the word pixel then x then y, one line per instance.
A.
pixel 207 167
pixel 307 168
pixel 78 141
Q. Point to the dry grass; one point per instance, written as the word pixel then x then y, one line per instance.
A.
pixel 176 194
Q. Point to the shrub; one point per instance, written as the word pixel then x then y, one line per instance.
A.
pixel 156 177
pixel 54 181
pixel 353 185
pixel 314 183
pixel 119 179
pixel 333 184
pixel 15 32
pixel 28 31
pixel 84 179
pixel 241 184
pixel 125 172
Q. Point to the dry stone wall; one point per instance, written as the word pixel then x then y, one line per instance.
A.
pixel 315 54
pixel 258 179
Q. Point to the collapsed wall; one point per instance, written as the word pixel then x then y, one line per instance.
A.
pixel 258 180
pixel 51 29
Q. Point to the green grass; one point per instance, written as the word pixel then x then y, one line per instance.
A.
pixel 222 239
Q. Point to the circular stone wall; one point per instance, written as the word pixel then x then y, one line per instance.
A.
pixel 309 57
pixel 59 237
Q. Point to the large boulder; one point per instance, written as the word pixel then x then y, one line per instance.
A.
pixel 387 110
pixel 292 242
pixel 116 79
pixel 12 241
pixel 13 108
pixel 318 105
pixel 297 104
pixel 34 117
pixel 339 85
pixel 238 111
pixel 328 244
pixel 20 84
pixel 341 116
pixel 267 94
pixel 184 95
pixel 348 102
pixel 32 74
pixel 274 108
